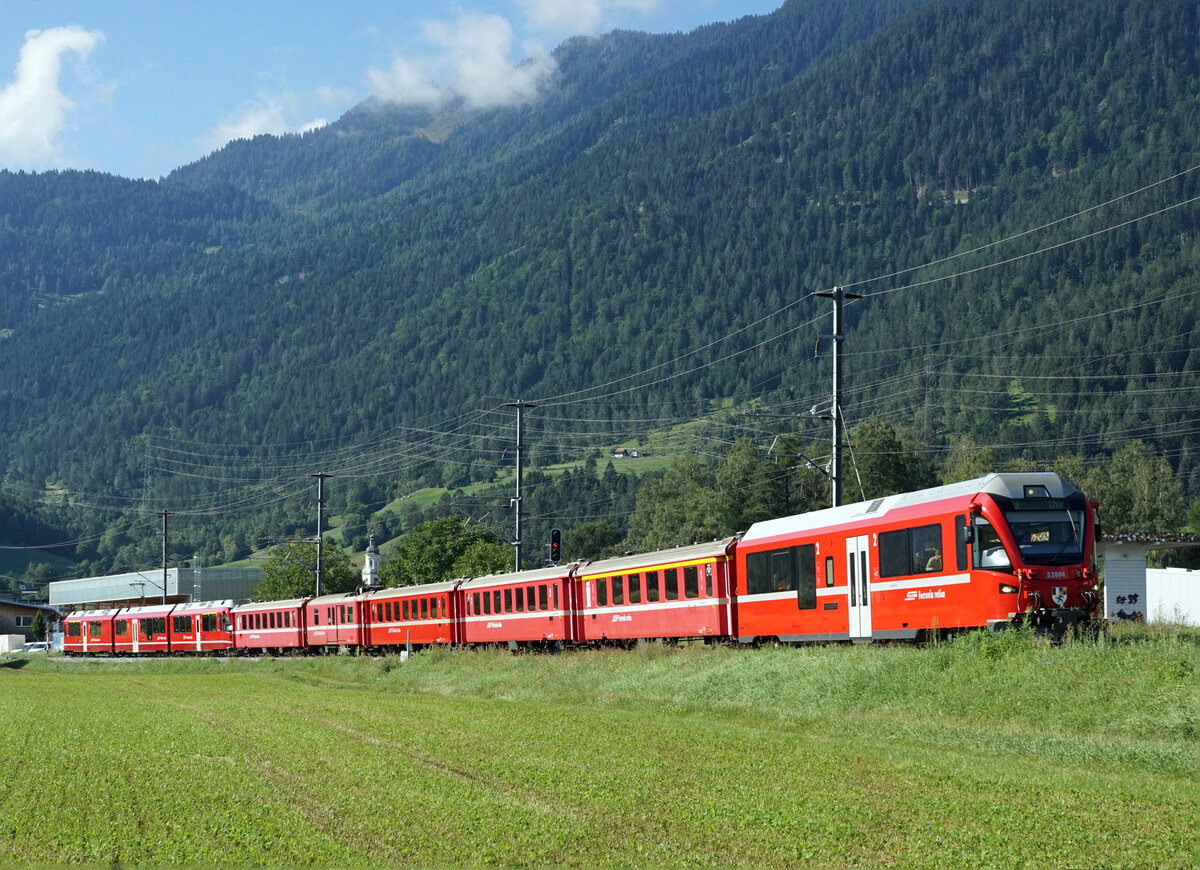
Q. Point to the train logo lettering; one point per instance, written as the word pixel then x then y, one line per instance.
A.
pixel 917 595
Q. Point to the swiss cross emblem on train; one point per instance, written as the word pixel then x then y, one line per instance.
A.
pixel 1059 594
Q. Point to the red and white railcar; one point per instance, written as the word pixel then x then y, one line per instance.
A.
pixel 981 553
pixel 142 630
pixel 201 627
pixel 521 607
pixel 334 621
pixel 269 625
pixel 89 632
pixel 683 592
pixel 416 615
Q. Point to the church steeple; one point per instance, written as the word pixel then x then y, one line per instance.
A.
pixel 370 571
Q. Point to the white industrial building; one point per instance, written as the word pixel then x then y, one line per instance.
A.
pixel 1134 592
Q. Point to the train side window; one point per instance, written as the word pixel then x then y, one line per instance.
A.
pixel 531 598
pixel 691 582
pixel 316 616
pixel 487 603
pixel 602 591
pixel 476 608
pixel 555 594
pixel 960 542
pixel 543 599
pixel 121 628
pixel 618 590
pixel 651 586
pixel 708 579
pixel 806 577
pixel 893 554
pixel 73 629
pixel 927 549
pixel 770 571
pixel 671 576
pixel 829 570
pixel 424 608
pixel 95 629
pixel 917 550
pixel 635 588
pixel 519 599
pixel 496 601
pixel 508 601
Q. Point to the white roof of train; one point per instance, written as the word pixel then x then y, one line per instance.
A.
pixel 1007 484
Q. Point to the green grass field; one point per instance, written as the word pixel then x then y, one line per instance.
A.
pixel 986 751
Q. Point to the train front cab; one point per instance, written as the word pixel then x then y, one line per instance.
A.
pixel 1033 538
pixel 982 553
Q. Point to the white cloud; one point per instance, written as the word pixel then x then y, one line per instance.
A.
pixel 578 17
pixel 34 111
pixel 275 116
pixel 474 58
pixel 406 83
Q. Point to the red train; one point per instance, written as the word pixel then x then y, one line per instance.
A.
pixel 986 553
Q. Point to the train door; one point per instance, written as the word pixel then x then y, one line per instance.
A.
pixel 135 625
pixel 858 572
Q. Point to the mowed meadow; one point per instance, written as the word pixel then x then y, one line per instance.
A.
pixel 984 751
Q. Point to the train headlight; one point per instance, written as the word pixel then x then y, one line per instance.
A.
pixel 1007 588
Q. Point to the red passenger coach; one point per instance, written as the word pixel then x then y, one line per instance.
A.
pixel 89 632
pixel 269 625
pixel 142 630
pixel 982 553
pixel 417 615
pixel 522 607
pixel 682 592
pixel 203 627
pixel 334 621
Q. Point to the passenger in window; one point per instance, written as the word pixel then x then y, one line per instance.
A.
pixel 933 560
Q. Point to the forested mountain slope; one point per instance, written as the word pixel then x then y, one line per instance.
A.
pixel 640 243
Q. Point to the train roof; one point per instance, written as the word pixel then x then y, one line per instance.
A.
pixel 268 605
pixel 337 597
pixel 199 606
pixel 1006 484
pixel 93 614
pixel 534 575
pixel 402 591
pixel 637 561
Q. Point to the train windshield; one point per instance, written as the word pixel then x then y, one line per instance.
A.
pixel 1048 532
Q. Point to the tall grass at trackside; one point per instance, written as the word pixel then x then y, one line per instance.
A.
pixel 985 750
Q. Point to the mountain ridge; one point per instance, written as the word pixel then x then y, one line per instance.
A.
pixel 672 204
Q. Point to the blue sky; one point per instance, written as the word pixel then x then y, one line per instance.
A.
pixel 140 87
